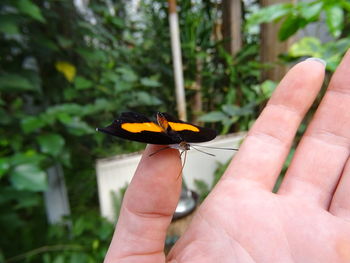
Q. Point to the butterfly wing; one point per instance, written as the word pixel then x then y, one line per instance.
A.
pixel 137 127
pixel 189 132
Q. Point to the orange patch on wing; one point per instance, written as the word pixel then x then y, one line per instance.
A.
pixel 140 127
pixel 178 126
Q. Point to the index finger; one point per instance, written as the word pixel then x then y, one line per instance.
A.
pixel 147 209
pixel 263 152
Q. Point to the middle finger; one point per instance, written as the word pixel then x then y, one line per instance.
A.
pixel 320 157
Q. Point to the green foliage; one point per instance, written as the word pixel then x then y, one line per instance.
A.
pixel 51 144
pixel 269 14
pixel 82 239
pixel 293 17
pixel 28 177
pixel 230 114
pixel 117 198
pixel 331 52
pixel 334 19
pixel 31 9
pixel 296 16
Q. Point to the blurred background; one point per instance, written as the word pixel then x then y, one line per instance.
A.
pixel 67 67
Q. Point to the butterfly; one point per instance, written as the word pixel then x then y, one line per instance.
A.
pixel 167 130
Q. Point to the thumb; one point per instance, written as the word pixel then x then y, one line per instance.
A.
pixel 147 208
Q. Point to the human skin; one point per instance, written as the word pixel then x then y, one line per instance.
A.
pixel 306 221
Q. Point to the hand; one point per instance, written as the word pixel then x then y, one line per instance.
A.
pixel 307 221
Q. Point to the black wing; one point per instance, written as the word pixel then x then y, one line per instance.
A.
pixel 152 137
pixel 202 135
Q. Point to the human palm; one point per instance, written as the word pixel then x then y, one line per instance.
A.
pixel 254 225
pixel 307 220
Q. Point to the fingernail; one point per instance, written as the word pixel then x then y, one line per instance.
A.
pixel 323 62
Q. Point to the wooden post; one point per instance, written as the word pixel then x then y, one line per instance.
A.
pixel 177 60
pixel 271 47
pixel 197 99
pixel 232 25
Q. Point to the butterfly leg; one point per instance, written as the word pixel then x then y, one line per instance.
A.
pixel 183 164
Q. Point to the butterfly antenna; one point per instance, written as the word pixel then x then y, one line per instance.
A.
pixel 218 148
pixel 161 149
pixel 183 164
pixel 202 151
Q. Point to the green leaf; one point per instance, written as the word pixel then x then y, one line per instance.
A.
pixel 18 199
pixel 64 42
pixel 149 82
pixel 78 127
pixel 228 123
pixel 82 83
pixel 65 158
pixel 335 20
pixel 99 105
pixel 202 188
pixel 232 110
pixel 29 8
pixel 269 14
pixel 334 51
pixel 45 42
pixel 331 52
pixel 59 259
pixel 91 56
pixel 32 123
pixel 122 86
pixel 267 87
pixel 127 74
pixel 213 116
pixel 5 119
pixel 4 166
pixel 9 25
pixel 307 46
pixel 64 118
pixel 290 26
pixel 311 10
pixel 10 82
pixel 346 5
pixel 77 257
pixel 51 144
pixel 229 109
pixel 53 112
pixel 27 200
pixel 144 98
pixel 111 76
pixel 30 156
pixel 28 177
pixel 118 22
pixel 246 110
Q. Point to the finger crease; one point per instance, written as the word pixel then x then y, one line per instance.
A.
pixel 339 91
pixel 330 138
pixel 147 215
pixel 289 109
pixel 269 138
